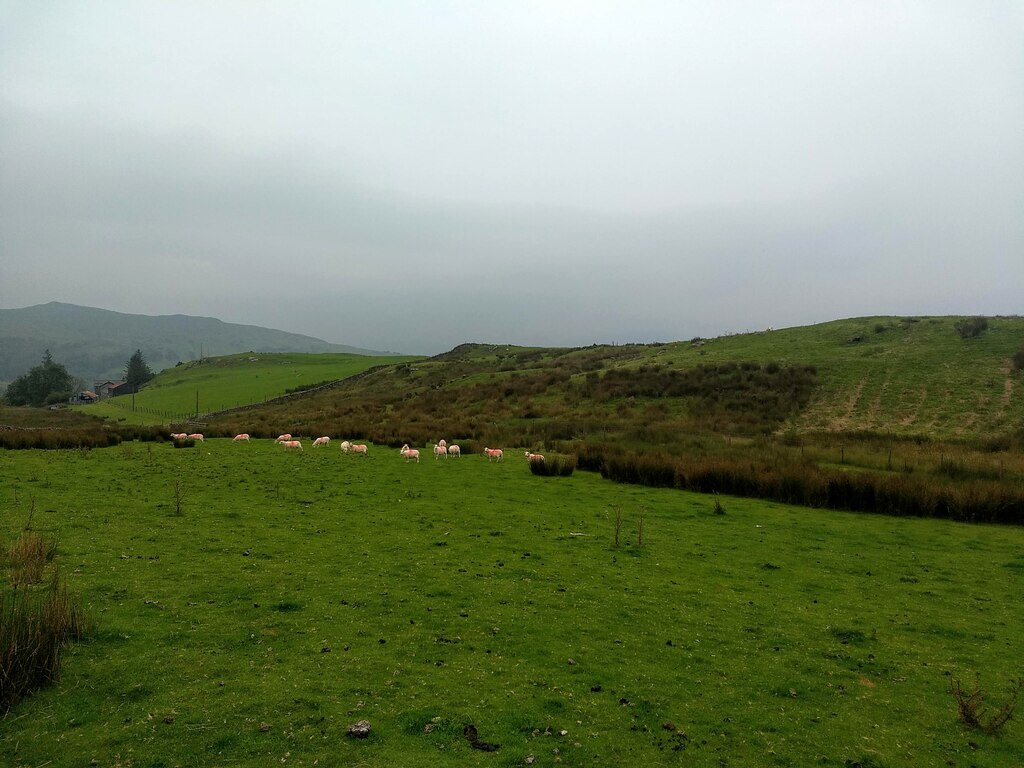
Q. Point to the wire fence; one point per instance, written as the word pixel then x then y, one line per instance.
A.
pixel 124 402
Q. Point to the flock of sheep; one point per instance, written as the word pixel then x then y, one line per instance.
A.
pixel 441 448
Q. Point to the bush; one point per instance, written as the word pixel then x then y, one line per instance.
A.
pixel 971 327
pixel 973 712
pixel 1018 359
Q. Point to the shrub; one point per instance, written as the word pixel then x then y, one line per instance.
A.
pixel 970 327
pixel 1018 359
pixel 973 712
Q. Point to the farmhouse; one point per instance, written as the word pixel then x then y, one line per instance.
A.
pixel 104 389
pixel 85 396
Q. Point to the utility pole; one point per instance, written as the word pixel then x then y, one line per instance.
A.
pixel 197 403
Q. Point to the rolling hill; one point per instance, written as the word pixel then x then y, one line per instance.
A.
pixel 219 383
pixel 96 343
pixel 902 376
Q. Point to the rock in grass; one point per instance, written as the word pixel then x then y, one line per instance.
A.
pixel 359 730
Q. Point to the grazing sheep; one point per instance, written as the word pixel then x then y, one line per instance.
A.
pixel 454 450
pixel 440 450
pixel 292 444
pixel 346 446
pixel 322 441
pixel 196 436
pixel 494 454
pixel 239 438
pixel 361 448
pixel 179 435
pixel 283 438
pixel 410 453
pixel 534 457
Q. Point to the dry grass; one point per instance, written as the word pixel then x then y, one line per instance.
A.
pixel 36 620
pixel 28 557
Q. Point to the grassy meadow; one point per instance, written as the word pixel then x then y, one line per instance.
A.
pixel 251 603
pixel 226 382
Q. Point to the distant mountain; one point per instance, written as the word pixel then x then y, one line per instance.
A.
pixel 95 343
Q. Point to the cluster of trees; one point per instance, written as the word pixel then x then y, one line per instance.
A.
pixel 45 384
pixel 50 382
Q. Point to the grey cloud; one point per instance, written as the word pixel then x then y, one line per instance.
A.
pixel 411 178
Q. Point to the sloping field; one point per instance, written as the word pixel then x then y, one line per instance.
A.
pixel 227 382
pixel 910 375
pixel 297 593
pixel 902 376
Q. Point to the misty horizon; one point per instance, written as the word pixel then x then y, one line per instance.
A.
pixel 412 178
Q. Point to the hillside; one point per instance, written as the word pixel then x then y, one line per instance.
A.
pixel 96 343
pixel 218 383
pixel 901 376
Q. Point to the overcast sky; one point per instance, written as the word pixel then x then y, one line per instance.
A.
pixel 412 175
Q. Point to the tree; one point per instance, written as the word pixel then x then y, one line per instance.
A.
pixel 136 372
pixel 49 382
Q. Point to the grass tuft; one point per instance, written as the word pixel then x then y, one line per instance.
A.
pixel 36 622
pixel 28 556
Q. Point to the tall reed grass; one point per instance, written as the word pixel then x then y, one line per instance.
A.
pixel 966 496
pixel 38 617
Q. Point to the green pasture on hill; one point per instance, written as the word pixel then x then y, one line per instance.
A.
pixel 297 593
pixel 219 383
pixel 905 375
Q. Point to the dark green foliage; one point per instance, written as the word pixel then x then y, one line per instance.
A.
pixel 971 327
pixel 136 371
pixel 47 383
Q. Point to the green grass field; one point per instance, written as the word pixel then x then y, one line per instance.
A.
pixel 228 382
pixel 298 593
pixel 911 375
